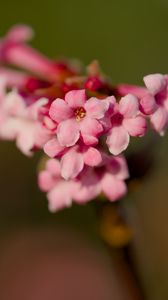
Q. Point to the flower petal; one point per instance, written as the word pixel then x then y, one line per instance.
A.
pixel 129 106
pixel 52 148
pixel 60 111
pixel 155 83
pixel 117 166
pixel 148 104
pixel 88 187
pixel 124 89
pixel 53 167
pixel 113 188
pixel 76 98
pixel 68 132
pixel 117 140
pixel 20 33
pixel 135 126
pixel 96 108
pixel 159 120
pixel 92 157
pixel 59 197
pixel 90 131
pixel 71 164
pixel 45 181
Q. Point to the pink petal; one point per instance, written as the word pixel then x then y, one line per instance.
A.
pixel 155 83
pixel 14 104
pixel 68 132
pixel 113 188
pixel 76 98
pixel 96 108
pixel 135 126
pixel 124 89
pixel 90 130
pixel 3 84
pixel 129 106
pixel 159 120
pixel 52 148
pixel 59 197
pixel 148 104
pixel 117 140
pixel 53 167
pixel 25 139
pixel 13 78
pixel 60 111
pixel 117 165
pixel 88 187
pixel 45 181
pixel 71 164
pixel 20 33
pixel 29 59
pixel 92 157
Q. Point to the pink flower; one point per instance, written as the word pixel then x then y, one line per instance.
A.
pixel 13 50
pixel 78 117
pixel 155 102
pixel 60 192
pixel 73 159
pixel 109 179
pixel 22 123
pixel 126 122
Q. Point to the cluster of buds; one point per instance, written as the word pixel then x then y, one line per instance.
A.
pixel 81 122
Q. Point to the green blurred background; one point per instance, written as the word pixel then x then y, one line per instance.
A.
pixel 129 38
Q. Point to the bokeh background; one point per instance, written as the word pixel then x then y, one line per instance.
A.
pixel 129 38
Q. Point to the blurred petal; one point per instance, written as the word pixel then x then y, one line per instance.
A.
pixel 88 187
pixel 155 83
pixel 117 140
pixel 159 120
pixel 20 33
pixel 71 164
pixel 148 104
pixel 113 188
pixel 92 157
pixel 68 132
pixel 129 106
pixel 136 126
pixel 53 166
pixel 45 181
pixel 118 166
pixel 124 89
pixel 76 98
pixel 59 197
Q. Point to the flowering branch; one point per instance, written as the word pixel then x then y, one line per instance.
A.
pixel 82 122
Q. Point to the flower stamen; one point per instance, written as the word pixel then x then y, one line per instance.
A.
pixel 80 113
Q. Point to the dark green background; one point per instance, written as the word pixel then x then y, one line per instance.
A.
pixel 130 39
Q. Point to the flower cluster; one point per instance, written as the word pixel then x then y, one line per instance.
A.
pixel 82 123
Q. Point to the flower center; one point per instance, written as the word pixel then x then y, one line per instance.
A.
pixel 80 113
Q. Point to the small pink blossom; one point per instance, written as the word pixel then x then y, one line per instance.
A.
pixel 73 159
pixel 22 123
pixel 126 122
pixel 13 50
pixel 108 178
pixel 155 102
pixel 78 117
